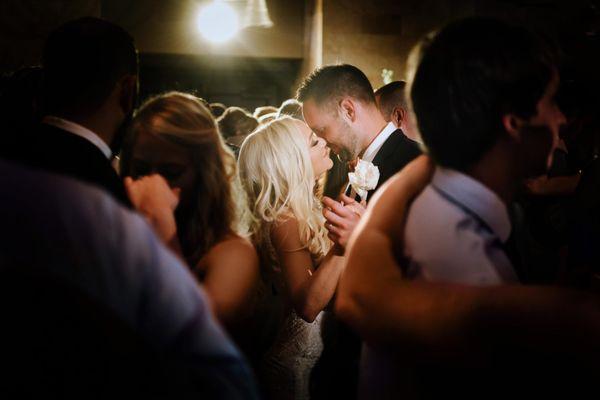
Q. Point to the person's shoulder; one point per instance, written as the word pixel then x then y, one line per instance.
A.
pixel 233 247
pixel 396 153
pixel 285 233
pixel 432 216
pixel 236 243
pixel 406 145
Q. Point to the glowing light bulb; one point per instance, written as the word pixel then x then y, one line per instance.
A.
pixel 218 22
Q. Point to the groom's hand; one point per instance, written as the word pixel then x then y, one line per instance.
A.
pixel 342 217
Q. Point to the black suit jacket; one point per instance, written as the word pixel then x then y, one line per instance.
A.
pixel 336 373
pixel 55 150
pixel 397 151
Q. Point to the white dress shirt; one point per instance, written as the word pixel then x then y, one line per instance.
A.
pixel 373 149
pixel 79 130
pixel 455 232
pixel 377 143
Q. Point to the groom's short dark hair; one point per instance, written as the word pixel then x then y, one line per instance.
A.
pixel 333 82
pixel 83 60
pixel 469 75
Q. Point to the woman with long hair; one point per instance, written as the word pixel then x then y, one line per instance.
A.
pixel 280 165
pixel 203 216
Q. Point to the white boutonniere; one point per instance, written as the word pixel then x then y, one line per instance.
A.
pixel 364 178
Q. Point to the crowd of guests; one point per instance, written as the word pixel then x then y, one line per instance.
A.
pixel 189 247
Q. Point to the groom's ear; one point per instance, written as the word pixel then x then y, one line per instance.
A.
pixel 348 108
pixel 398 116
pixel 128 93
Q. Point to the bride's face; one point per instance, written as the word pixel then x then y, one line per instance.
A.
pixel 317 148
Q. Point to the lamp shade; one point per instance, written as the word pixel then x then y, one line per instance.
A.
pixel 257 14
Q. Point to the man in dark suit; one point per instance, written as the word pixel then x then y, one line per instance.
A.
pixel 90 89
pixel 339 106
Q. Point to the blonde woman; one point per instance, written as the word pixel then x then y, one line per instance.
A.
pixel 200 214
pixel 279 167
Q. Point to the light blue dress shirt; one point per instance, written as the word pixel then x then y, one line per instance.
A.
pixel 455 231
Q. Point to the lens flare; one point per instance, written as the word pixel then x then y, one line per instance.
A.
pixel 218 22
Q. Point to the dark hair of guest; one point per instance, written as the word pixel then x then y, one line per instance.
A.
pixel 467 77
pixel 83 60
pixel 390 96
pixel 334 82
pixel 217 109
pixel 236 121
pixel 291 107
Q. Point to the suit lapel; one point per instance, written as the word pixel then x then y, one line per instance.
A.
pixel 388 148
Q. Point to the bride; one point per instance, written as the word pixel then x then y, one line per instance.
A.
pixel 279 166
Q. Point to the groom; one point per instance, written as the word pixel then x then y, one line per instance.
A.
pixel 339 106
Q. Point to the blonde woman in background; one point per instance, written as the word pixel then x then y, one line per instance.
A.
pixel 201 212
pixel 279 167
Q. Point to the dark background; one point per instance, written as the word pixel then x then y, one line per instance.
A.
pixel 263 66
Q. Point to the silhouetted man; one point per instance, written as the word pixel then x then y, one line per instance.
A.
pixel 90 89
pixel 443 287
pixel 94 305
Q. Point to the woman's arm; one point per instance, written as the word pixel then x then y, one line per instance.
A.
pixel 231 276
pixel 310 289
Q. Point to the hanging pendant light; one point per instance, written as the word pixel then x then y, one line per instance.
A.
pixel 218 22
pixel 257 14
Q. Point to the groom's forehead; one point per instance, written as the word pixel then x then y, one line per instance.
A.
pixel 316 114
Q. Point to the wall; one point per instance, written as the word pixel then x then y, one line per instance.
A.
pixel 24 25
pixel 373 35
pixel 169 27
pixel 379 34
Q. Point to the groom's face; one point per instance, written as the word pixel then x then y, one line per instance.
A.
pixel 327 124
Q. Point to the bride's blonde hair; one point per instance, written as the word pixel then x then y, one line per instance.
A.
pixel 277 174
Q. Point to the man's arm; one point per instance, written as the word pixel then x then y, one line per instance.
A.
pixel 446 320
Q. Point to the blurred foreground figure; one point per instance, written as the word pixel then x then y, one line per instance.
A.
pixel 459 339
pixel 93 305
pixel 426 339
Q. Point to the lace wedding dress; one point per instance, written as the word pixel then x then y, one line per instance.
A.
pixel 286 367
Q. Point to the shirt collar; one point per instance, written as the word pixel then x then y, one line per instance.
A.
pixel 476 197
pixel 80 131
pixel 375 146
